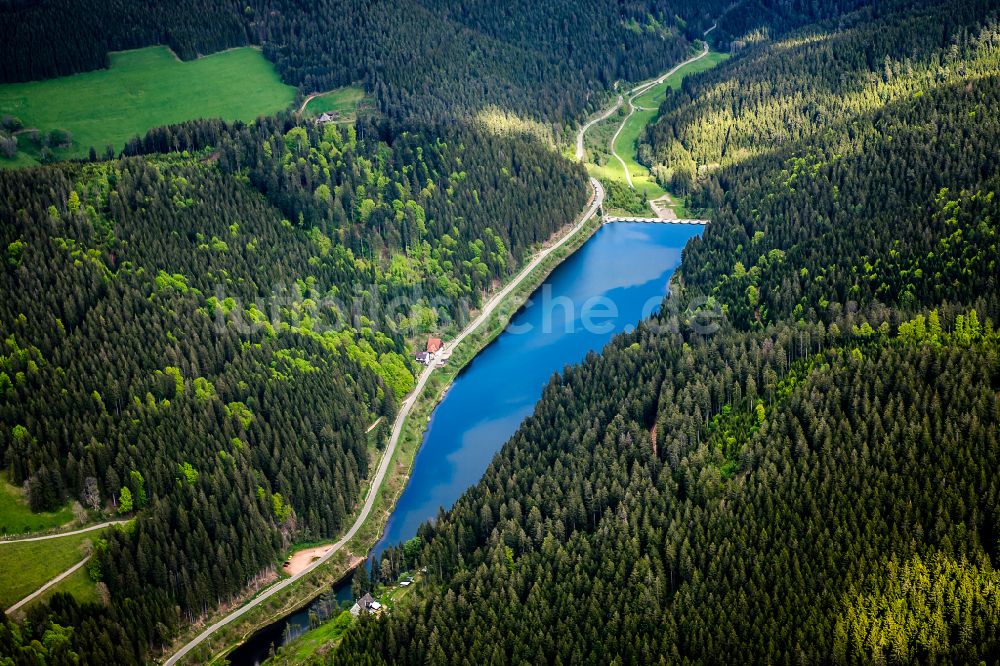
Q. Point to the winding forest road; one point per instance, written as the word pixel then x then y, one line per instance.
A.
pixel 635 92
pixel 397 428
pixel 310 97
pixel 639 90
pixel 583 130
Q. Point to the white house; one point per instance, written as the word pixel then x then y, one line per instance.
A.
pixel 365 603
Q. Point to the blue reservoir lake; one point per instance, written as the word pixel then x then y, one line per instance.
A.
pixel 616 279
pixel 612 282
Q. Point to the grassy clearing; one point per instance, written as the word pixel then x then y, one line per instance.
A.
pixel 654 96
pixel 647 110
pixel 79 584
pixel 26 566
pixel 17 518
pixel 626 146
pixel 612 170
pixel 314 645
pixel 342 102
pixel 142 89
pixel 597 140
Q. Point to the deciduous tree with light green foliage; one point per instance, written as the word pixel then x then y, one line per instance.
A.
pixel 125 501
pixel 188 473
pixel 204 390
pixel 15 250
pixel 392 368
pixel 138 485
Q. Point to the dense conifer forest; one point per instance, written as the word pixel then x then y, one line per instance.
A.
pixel 208 341
pixel 423 59
pixel 427 59
pixel 816 481
pixel 198 332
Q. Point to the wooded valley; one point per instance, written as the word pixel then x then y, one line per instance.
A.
pixel 814 482
pixel 198 332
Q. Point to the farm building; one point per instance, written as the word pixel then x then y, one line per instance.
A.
pixel 365 603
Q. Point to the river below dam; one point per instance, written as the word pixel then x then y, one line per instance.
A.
pixel 617 278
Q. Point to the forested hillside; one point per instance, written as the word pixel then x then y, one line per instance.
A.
pixel 815 482
pixel 197 334
pixel 795 475
pixel 203 339
pixel 837 136
pixel 42 40
pixel 423 59
pixel 430 217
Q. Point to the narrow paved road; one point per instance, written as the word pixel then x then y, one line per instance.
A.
pixel 47 585
pixel 635 92
pixel 397 429
pixel 639 90
pixel 614 107
pixel 595 204
pixel 59 535
pixel 583 130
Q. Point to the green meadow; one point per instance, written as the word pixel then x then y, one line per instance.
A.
pixel 647 108
pixel 142 89
pixel 342 102
pixel 626 145
pixel 27 565
pixel 655 95
pixel 17 518
pixel 78 584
